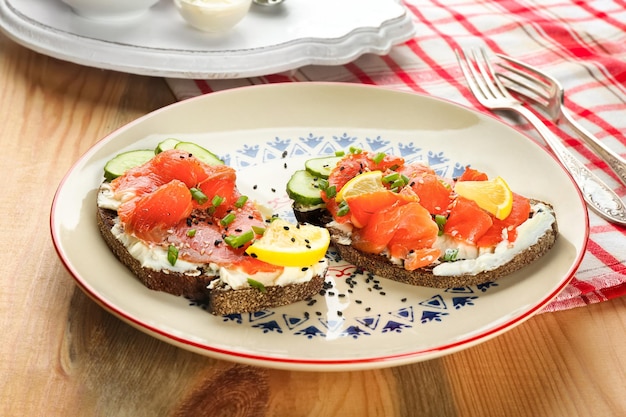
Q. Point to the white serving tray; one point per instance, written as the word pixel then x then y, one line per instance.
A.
pixel 159 43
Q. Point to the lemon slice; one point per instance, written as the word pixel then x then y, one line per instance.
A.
pixel 366 182
pixel 494 195
pixel 288 244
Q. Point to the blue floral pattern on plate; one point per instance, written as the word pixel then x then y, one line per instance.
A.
pixel 346 285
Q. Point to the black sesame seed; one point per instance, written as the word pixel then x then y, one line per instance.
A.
pixel 339 313
pixel 403 300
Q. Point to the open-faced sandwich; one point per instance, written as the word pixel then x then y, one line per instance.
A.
pixel 175 218
pixel 403 222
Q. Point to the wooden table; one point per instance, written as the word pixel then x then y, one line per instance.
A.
pixel 63 355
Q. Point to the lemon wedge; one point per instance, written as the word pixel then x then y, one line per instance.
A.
pixel 494 195
pixel 287 244
pixel 366 182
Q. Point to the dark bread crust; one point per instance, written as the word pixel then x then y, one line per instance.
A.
pixel 175 283
pixel 380 265
pixel 220 301
pixel 248 300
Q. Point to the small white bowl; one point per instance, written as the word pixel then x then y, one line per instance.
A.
pixel 213 15
pixel 110 9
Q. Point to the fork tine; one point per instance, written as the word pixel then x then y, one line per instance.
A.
pixel 470 75
pixel 530 68
pixel 477 75
pixel 496 87
pixel 526 90
pixel 527 81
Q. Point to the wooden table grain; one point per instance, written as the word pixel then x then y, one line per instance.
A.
pixel 63 355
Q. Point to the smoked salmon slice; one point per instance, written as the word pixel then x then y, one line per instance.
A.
pixel 159 207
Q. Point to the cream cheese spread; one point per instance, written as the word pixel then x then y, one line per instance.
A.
pixel 528 233
pixel 471 259
pixel 154 256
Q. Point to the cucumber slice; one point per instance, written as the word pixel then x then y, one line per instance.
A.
pixel 125 161
pixel 303 188
pixel 321 167
pixel 199 152
pixel 166 145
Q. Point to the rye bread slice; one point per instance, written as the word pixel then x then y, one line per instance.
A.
pixel 222 300
pixel 176 283
pixel 218 301
pixel 380 265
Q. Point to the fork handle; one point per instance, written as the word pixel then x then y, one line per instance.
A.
pixel 596 193
pixel 613 160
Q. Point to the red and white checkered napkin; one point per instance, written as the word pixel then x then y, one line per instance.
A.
pixel 583 44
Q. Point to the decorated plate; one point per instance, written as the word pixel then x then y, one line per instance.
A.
pixel 358 320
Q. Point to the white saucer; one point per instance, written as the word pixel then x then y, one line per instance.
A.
pixel 159 43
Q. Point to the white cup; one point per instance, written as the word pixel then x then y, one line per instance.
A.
pixel 213 15
pixel 110 9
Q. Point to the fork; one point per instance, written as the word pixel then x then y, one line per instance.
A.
pixel 548 94
pixel 490 92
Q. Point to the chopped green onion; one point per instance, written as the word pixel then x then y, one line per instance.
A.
pixel 217 200
pixel 339 153
pixel 228 219
pixel 237 241
pixel 258 230
pixel 441 222
pixel 256 284
pixel 331 192
pixel 450 255
pixel 191 232
pixel 172 254
pixel 391 178
pixel 355 150
pixel 405 179
pixel 378 158
pixel 323 184
pixel 343 209
pixel 241 201
pixel 397 184
pixel 198 195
